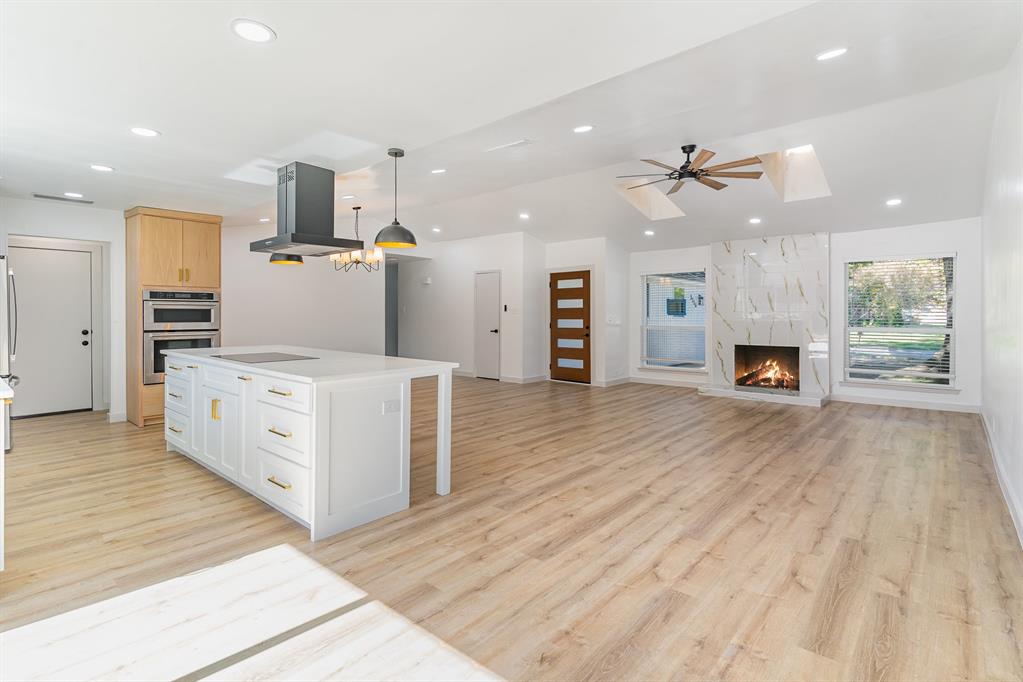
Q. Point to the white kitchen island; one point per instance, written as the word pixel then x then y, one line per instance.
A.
pixel 326 440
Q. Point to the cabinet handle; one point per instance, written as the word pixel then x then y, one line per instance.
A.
pixel 285 486
pixel 245 378
pixel 175 368
pixel 286 394
pixel 181 274
pixel 192 366
pixel 173 395
pixel 214 412
pixel 282 434
pixel 174 429
pixel 188 274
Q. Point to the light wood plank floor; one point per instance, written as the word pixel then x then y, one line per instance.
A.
pixel 632 532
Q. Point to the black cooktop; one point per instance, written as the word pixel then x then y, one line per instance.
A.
pixel 255 358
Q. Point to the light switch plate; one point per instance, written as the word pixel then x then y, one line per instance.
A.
pixel 390 406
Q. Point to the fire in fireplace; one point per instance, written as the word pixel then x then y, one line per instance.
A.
pixel 767 368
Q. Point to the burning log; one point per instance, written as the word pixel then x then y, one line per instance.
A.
pixel 764 372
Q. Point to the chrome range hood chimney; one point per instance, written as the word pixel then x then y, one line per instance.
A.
pixel 305 215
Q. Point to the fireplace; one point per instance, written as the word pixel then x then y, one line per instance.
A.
pixel 773 369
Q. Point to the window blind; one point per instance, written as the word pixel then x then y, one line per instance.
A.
pixel 900 325
pixel 673 329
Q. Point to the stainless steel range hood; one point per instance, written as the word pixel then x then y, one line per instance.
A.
pixel 305 214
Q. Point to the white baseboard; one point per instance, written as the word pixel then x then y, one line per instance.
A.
pixel 903 402
pixel 463 372
pixel 114 417
pixel 1015 505
pixel 669 381
pixel 610 382
pixel 523 380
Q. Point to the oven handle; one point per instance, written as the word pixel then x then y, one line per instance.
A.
pixel 183 304
pixel 163 336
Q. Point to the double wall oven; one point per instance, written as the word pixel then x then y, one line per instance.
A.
pixel 176 320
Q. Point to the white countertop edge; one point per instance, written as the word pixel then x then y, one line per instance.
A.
pixel 406 366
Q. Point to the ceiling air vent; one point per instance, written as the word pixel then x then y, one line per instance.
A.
pixel 67 199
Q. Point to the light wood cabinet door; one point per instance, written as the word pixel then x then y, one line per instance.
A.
pixel 200 254
pixel 160 252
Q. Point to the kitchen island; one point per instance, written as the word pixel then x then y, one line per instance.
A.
pixel 323 436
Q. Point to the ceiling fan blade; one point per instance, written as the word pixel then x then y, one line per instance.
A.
pixel 658 163
pixel 713 184
pixel 650 183
pixel 701 158
pixel 641 175
pixel 752 175
pixel 734 164
pixel 676 187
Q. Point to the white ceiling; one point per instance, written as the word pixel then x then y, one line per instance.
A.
pixel 343 82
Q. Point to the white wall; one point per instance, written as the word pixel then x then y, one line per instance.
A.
pixel 954 237
pixel 436 319
pixel 41 218
pixel 651 263
pixel 616 312
pixel 1002 225
pixel 534 310
pixel 306 305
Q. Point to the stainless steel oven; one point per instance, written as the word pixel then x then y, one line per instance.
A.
pixel 153 360
pixel 180 310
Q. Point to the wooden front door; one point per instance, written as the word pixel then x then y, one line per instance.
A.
pixel 570 326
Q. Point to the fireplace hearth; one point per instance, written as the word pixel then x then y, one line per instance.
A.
pixel 771 369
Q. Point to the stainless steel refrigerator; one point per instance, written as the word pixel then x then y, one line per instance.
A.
pixel 8 333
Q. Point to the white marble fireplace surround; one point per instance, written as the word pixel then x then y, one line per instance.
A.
pixel 771 291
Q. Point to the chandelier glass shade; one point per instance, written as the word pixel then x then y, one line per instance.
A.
pixel 370 259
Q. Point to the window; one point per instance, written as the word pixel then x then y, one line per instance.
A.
pixel 674 311
pixel 899 321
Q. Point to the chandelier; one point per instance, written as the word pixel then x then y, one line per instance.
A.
pixel 369 259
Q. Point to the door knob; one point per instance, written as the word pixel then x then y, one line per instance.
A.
pixel 493 331
pixel 85 332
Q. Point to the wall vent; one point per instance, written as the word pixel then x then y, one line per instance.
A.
pixel 67 199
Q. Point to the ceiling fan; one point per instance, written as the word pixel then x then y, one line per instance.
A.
pixel 694 170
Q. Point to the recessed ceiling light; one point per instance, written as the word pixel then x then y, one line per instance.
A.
pixel 754 221
pixel 438 171
pixel 253 31
pixel 831 54
pixel 73 195
pixel 649 233
pixel 348 196
pixel 264 220
pixel 524 216
pixel 582 129
pixel 436 229
pixel 893 202
pixel 101 168
pixel 145 132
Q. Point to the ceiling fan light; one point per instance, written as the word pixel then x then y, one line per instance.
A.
pixel 395 236
pixel 285 259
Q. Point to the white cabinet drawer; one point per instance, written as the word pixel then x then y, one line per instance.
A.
pixel 283 433
pixel 176 368
pixel 222 379
pixel 283 484
pixel 290 394
pixel 177 395
pixel 177 429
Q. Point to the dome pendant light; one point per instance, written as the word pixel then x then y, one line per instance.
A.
pixel 395 235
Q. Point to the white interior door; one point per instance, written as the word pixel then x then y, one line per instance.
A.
pixel 488 325
pixel 53 356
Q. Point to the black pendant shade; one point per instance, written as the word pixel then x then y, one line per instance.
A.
pixel 286 259
pixel 395 235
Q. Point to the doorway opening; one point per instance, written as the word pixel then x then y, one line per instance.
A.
pixel 391 274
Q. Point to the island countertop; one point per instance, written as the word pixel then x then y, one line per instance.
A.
pixel 328 365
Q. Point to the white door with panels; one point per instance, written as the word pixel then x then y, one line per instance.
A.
pixel 53 356
pixel 487 325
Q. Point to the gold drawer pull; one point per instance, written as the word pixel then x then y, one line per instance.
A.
pixel 175 368
pixel 245 378
pixel 286 394
pixel 173 395
pixel 279 433
pixel 284 486
pixel 174 429
pixel 192 366
pixel 214 412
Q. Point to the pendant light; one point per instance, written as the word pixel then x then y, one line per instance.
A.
pixel 369 259
pixel 395 235
pixel 285 259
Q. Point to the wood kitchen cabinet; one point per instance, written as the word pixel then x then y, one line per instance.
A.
pixel 164 249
